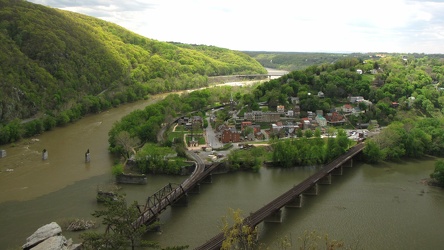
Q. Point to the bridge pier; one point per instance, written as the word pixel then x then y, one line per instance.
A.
pixel 326 180
pixel 154 226
pixel 208 179
pixel 275 217
pixel 348 165
pixel 182 201
pixel 296 202
pixel 195 189
pixel 337 171
pixel 312 190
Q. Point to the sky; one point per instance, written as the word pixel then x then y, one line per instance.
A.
pixel 393 26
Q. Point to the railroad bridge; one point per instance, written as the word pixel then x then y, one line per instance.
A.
pixel 178 194
pixel 294 196
pixel 172 194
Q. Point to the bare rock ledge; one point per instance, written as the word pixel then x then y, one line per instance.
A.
pixel 49 237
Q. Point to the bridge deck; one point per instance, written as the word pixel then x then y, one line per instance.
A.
pixel 255 218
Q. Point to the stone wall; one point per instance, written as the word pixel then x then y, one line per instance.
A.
pixel 131 179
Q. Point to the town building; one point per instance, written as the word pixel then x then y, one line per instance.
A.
pixel 321 120
pixel 354 99
pixel 347 108
pixel 334 118
pixel 259 116
pixel 230 135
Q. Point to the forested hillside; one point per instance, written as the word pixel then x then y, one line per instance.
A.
pixel 291 61
pixel 65 64
pixel 403 93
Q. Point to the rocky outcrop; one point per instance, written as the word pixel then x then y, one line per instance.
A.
pixel 42 234
pixel 52 243
pixel 49 237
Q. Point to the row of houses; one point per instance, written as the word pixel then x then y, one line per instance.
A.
pixel 229 133
pixel 312 121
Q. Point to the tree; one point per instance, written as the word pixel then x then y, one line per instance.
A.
pixel 390 141
pixel 127 143
pixel 372 152
pixel 308 133
pixel 343 140
pixel 438 174
pixel 249 159
pixel 239 235
pixel 317 133
pixel 120 233
pixel 333 149
pixel 247 131
pixel 299 133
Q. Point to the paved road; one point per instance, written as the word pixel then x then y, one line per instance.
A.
pixel 212 141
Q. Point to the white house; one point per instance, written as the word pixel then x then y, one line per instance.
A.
pixel 347 108
pixel 354 99
pixel 321 120
pixel 295 100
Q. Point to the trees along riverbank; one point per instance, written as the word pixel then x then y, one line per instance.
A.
pixel 411 138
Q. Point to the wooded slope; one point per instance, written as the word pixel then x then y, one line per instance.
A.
pixel 50 60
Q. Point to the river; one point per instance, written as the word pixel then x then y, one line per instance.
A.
pixel 379 207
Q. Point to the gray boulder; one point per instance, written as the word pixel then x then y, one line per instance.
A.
pixel 53 243
pixel 71 246
pixel 43 233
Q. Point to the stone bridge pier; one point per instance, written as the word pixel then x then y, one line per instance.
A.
pixel 296 202
pixel 326 180
pixel 312 190
pixel 275 217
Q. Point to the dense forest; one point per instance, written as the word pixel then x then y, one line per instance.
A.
pixel 58 66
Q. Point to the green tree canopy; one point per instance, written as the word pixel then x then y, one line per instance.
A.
pixel 438 174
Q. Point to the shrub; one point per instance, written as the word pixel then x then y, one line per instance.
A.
pixel 117 169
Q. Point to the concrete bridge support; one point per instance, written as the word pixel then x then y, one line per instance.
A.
pixel 313 190
pixel 337 171
pixel 208 179
pixel 296 202
pixel 348 164
pixel 195 189
pixel 326 180
pixel 275 217
pixel 182 201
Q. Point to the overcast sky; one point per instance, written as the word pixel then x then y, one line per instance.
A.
pixel 404 26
